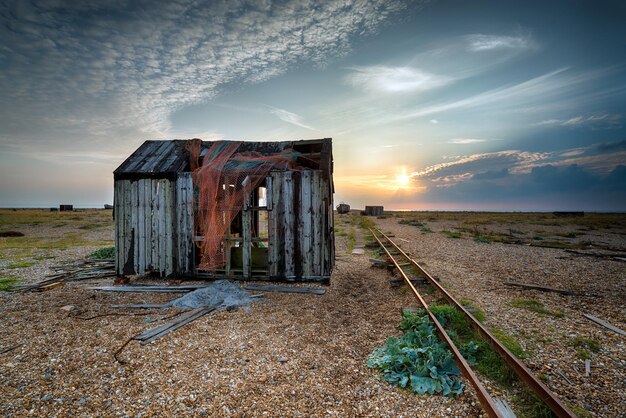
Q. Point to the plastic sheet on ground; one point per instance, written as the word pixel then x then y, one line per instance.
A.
pixel 220 294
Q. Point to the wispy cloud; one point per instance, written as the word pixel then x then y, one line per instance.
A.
pixel 466 140
pixel 395 79
pixel 481 42
pixel 606 120
pixel 434 121
pixel 79 68
pixel 289 117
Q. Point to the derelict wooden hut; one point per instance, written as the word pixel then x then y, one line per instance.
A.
pixel 283 230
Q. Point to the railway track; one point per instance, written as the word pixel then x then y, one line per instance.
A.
pixel 400 260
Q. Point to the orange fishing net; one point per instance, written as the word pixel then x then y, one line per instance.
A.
pixel 223 182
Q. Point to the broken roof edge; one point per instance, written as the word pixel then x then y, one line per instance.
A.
pixel 167 158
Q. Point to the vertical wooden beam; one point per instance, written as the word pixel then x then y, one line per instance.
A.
pixel 246 214
pixel 305 223
pixel 289 225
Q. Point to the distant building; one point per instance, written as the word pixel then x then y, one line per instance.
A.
pixel 343 208
pixel 373 210
pixel 66 208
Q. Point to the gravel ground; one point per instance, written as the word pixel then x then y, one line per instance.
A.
pixel 300 354
pixel 295 355
pixel 476 271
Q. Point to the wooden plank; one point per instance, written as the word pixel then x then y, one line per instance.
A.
pixel 127 224
pixel 284 289
pixel 188 233
pixel 147 289
pixel 133 224
pixel 116 210
pixel 316 238
pixel 154 224
pixel 141 224
pixel 199 312
pixel 604 324
pixel 147 226
pixel 305 221
pixel 541 288
pixel 247 236
pixel 161 239
pixel 503 408
pixel 168 227
pixel 289 220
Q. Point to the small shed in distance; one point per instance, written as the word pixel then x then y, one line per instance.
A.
pixel 226 209
pixel 343 208
pixel 373 211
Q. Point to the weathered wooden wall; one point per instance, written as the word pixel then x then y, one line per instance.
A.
pixel 373 210
pixel 153 226
pixel 300 226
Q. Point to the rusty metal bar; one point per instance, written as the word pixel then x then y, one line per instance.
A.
pixel 541 390
pixel 483 396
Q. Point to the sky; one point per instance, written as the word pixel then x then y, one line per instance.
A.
pixel 446 105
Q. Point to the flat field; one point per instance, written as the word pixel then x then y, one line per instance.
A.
pixel 303 354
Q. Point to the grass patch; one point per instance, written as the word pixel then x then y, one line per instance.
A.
pixel 478 313
pixel 516 232
pixel 7 282
pixel 535 306
pixel 20 264
pixel 351 240
pixel 412 222
pixel 67 241
pixel 451 234
pixel 584 347
pixel 483 239
pixel 104 253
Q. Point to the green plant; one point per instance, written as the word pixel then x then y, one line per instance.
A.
pixel 20 264
pixel 417 359
pixel 535 306
pixel 483 239
pixel 104 253
pixel 478 313
pixel 7 282
pixel 451 234
pixel 584 347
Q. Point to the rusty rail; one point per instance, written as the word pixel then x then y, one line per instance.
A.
pixel 553 402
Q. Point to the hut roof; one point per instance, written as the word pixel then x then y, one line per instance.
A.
pixel 165 159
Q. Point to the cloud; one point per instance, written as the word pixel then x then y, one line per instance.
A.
pixel 395 79
pixel 481 42
pixel 434 121
pixel 513 160
pixel 117 70
pixel 289 117
pixel 606 120
pixel 466 140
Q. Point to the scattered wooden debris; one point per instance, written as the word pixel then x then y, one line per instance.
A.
pixel 286 289
pixel 142 305
pixel 504 408
pixel 9 349
pixel 148 288
pixel 563 375
pixel 604 324
pixel 612 256
pixel 587 368
pixel 152 334
pixel 541 288
pixel 358 251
